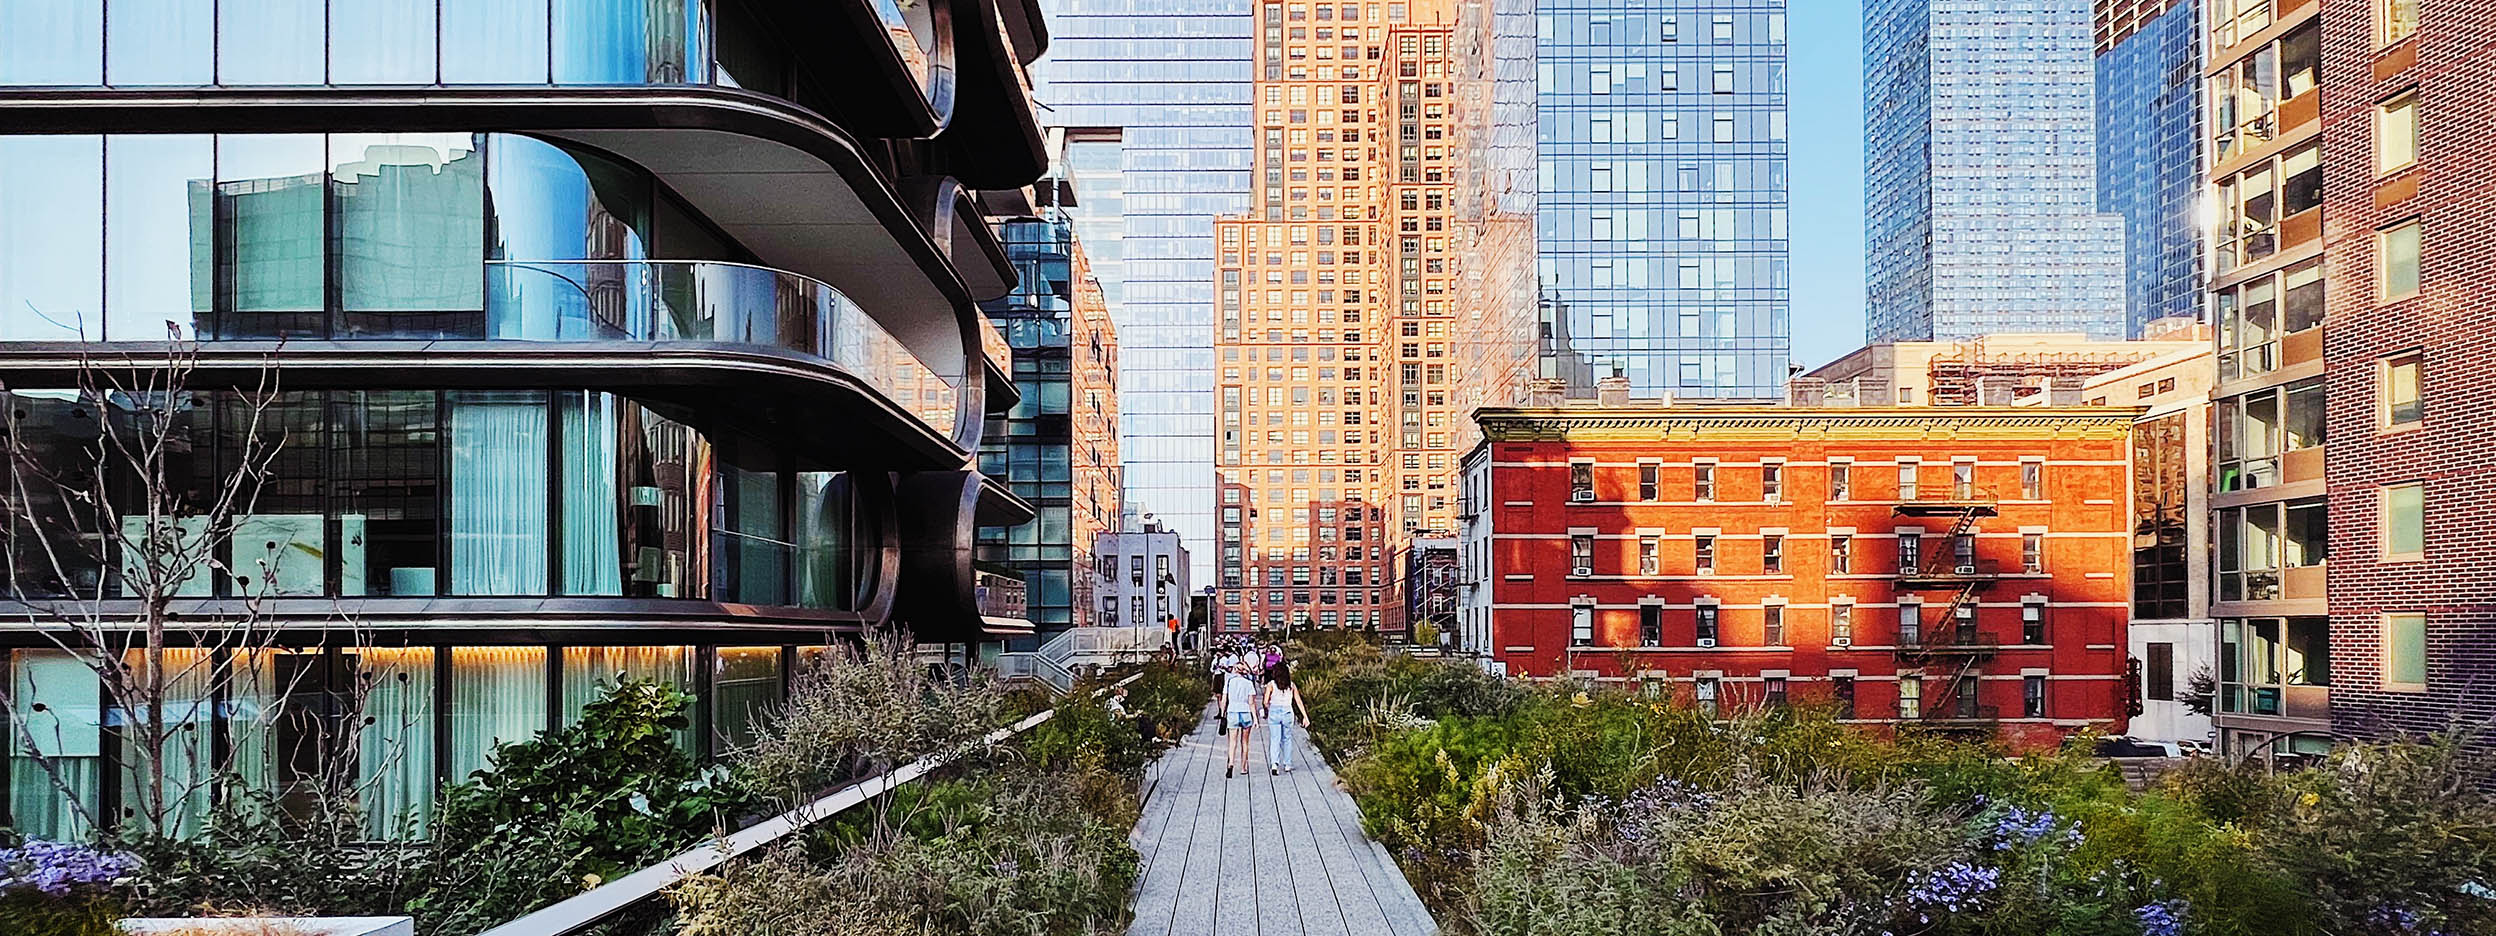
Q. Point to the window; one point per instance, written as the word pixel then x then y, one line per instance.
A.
pixel 1772 553
pixel 1910 552
pixel 2032 553
pixel 1910 697
pixel 1649 563
pixel 2395 20
pixel 1841 482
pixel 2032 480
pixel 1771 483
pixel 2399 382
pixel 1707 622
pixel 2032 622
pixel 1842 690
pixel 2396 133
pixel 2399 249
pixel 1704 688
pixel 1773 691
pixel 2256 542
pixel 1720 27
pixel 1721 81
pixel 1840 549
pixel 1581 554
pixel 1581 625
pixel 1581 481
pixel 1906 481
pixel 2405 651
pixel 1910 623
pixel 1704 483
pixel 2404 522
pixel 1704 546
pixel 2255 429
pixel 1962 480
pixel 2254 314
pixel 2032 696
pixel 2158 676
pixel 1842 622
pixel 1650 625
pixel 1772 625
pixel 1648 478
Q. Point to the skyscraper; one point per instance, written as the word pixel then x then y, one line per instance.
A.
pixel 1980 209
pixel 1154 105
pixel 2149 151
pixel 1662 235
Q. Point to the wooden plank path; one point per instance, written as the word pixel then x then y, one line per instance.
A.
pixel 1260 855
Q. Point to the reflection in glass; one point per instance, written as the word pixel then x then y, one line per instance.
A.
pixel 270 234
pixel 56 715
pixel 591 528
pixel 409 227
pixel 387 491
pixel 758 549
pixel 667 466
pixel 589 673
pixel 270 42
pixel 494 41
pixel 624 41
pixel 159 267
pixel 498 493
pixel 51 237
pixel 395 742
pixel 745 690
pixel 52 42
pixel 281 546
pixel 161 42
pixel 381 42
pixel 831 573
pixel 498 696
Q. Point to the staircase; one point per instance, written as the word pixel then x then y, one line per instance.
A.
pixel 1058 659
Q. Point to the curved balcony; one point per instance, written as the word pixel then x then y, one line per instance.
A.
pixel 700 301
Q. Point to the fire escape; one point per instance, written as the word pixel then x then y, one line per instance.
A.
pixel 1950 648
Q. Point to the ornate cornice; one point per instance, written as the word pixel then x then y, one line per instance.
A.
pixel 1690 423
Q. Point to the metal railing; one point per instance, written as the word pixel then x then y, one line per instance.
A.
pixel 581 911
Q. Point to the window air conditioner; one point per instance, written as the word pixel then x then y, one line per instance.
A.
pixel 1967 570
pixel 1706 642
pixel 1841 641
pixel 1581 571
pixel 1707 570
pixel 1582 496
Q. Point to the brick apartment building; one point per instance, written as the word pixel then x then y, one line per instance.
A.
pixel 1965 567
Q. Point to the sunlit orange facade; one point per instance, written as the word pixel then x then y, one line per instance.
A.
pixel 1339 312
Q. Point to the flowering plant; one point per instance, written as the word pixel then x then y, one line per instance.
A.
pixel 59 869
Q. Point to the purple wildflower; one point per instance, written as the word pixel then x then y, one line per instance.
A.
pixel 1952 887
pixel 57 868
pixel 2018 827
pixel 2161 918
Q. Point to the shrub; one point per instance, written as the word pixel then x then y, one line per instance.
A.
pixel 60 889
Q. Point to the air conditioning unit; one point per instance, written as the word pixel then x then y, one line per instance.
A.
pixel 1909 570
pixel 1707 570
pixel 1967 570
pixel 1581 571
pixel 1582 497
pixel 1841 641
pixel 1706 642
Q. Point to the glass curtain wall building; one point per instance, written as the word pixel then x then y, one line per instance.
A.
pixel 1662 236
pixel 2149 152
pixel 1980 160
pixel 1153 98
pixel 642 370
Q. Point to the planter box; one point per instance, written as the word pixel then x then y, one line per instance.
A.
pixel 271 926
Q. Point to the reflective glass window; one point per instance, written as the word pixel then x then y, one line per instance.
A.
pixel 591 427
pixel 386 473
pixel 494 41
pixel 381 42
pixel 271 232
pixel 52 42
pixel 409 220
pixel 160 270
pixel 498 493
pixel 623 41
pixel 51 237
pixel 161 42
pixel 270 42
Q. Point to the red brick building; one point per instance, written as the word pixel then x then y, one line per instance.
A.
pixel 1964 567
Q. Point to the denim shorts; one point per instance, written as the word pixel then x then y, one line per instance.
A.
pixel 1243 719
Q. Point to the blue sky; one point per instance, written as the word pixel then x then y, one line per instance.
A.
pixel 1825 99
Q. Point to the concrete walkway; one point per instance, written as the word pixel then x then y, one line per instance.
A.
pixel 1261 855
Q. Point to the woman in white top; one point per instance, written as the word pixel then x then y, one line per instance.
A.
pixel 1282 707
pixel 1239 694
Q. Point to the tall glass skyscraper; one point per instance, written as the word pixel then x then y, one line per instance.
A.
pixel 1980 160
pixel 1662 234
pixel 2149 151
pixel 1153 97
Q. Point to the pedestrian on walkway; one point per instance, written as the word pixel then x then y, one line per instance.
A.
pixel 1239 701
pixel 1282 707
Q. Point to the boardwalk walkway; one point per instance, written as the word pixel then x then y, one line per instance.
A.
pixel 1215 865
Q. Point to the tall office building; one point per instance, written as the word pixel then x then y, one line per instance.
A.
pixel 1663 239
pixel 1153 102
pixel 2149 152
pixel 1980 205
pixel 613 338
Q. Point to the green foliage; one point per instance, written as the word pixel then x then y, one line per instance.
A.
pixel 862 710
pixel 29 913
pixel 252 856
pixel 570 809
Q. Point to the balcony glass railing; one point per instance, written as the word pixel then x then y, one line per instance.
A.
pixel 712 302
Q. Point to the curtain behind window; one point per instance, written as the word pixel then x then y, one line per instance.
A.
pixel 498 493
